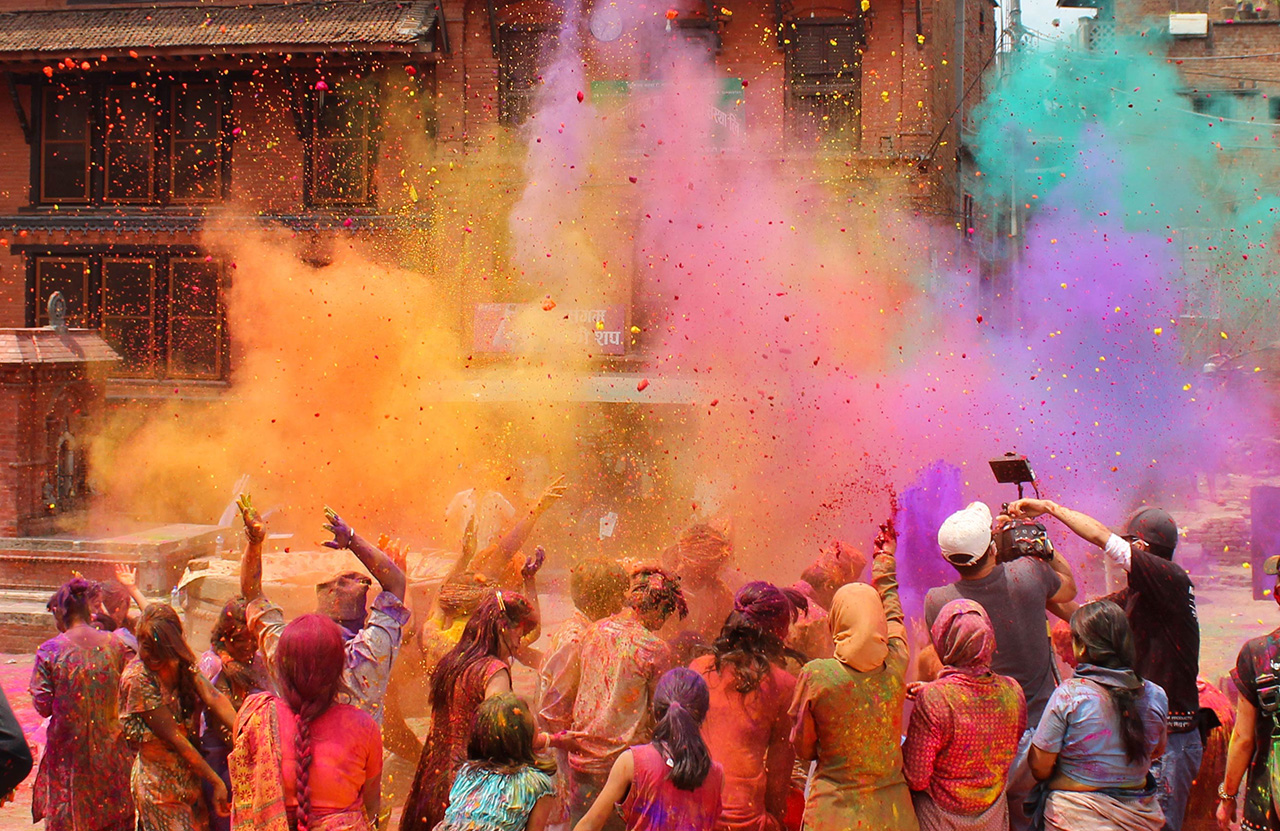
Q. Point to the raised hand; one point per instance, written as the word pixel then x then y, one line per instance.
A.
pixel 343 534
pixel 126 576
pixel 533 563
pixel 554 492
pixel 254 527
pixel 886 542
pixel 397 551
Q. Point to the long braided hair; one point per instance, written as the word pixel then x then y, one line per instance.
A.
pixel 310 658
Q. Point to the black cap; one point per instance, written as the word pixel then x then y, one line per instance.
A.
pixel 1154 527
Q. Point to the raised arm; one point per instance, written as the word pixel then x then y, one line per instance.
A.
pixel 884 578
pixel 128 577
pixel 1084 526
pixel 517 536
pixel 389 575
pixel 251 561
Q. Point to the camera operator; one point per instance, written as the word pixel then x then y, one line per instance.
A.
pixel 1160 603
pixel 1015 595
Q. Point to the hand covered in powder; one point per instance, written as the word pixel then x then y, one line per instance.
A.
pixel 126 576
pixel 343 534
pixel 395 550
pixel 1029 508
pixel 254 527
pixel 533 563
pixel 886 542
pixel 551 495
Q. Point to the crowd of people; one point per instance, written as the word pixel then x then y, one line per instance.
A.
pixel 667 700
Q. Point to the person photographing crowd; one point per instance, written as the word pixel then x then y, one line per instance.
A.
pixel 1160 604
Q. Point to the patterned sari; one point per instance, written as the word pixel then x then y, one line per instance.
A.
pixel 257 782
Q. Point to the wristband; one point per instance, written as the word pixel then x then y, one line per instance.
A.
pixel 1223 796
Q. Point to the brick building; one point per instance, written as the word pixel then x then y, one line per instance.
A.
pixel 125 127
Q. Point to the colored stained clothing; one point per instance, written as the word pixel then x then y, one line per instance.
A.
pixel 346 752
pixel 654 803
pixel 485 798
pixel 369 652
pixel 1203 799
pixel 621 663
pixel 264 767
pixel 1255 676
pixel 83 781
pixel 166 791
pixel 1014 595
pixel 445 749
pixel 750 736
pixel 560 673
pixel 1081 725
pixel 1160 602
pixel 963 735
pixel 709 604
pixel 213 745
pixel 858 781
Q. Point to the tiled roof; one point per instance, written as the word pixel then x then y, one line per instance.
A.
pixel 217 28
pixel 45 346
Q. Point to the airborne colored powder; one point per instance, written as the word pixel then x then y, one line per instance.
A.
pixel 841 345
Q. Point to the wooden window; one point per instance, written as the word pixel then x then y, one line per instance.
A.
pixel 342 144
pixel 69 275
pixel 129 313
pixel 131 143
pixel 824 78
pixel 196 149
pixel 195 312
pixel 522 52
pixel 129 138
pixel 65 144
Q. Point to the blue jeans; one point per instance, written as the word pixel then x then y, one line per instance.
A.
pixel 1174 773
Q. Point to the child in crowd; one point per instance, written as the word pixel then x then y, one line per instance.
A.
pixel 502 786
pixel 670 783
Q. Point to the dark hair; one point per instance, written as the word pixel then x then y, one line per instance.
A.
pixel 75 599
pixel 160 639
pixel 233 619
pixel 115 597
pixel 1102 630
pixel 598 586
pixel 977 566
pixel 680 703
pixel 480 639
pixel 309 660
pixel 749 641
pixel 654 590
pixel 503 732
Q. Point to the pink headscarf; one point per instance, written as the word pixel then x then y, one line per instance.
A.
pixel 964 638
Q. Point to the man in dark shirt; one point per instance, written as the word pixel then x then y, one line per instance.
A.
pixel 1160 603
pixel 1014 595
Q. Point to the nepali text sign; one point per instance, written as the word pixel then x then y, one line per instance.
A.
pixel 528 327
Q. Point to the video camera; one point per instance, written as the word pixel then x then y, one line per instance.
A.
pixel 1020 537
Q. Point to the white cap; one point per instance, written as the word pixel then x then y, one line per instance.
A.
pixel 966 535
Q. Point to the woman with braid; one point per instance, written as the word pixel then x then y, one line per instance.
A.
pixel 301 760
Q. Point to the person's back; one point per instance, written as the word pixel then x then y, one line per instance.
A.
pixel 621 661
pixel 346 752
pixel 1081 721
pixel 858 716
pixel 1014 596
pixel 747 734
pixel 654 803
pixel 975 723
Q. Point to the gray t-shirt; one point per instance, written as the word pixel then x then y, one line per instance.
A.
pixel 1014 595
pixel 1081 725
